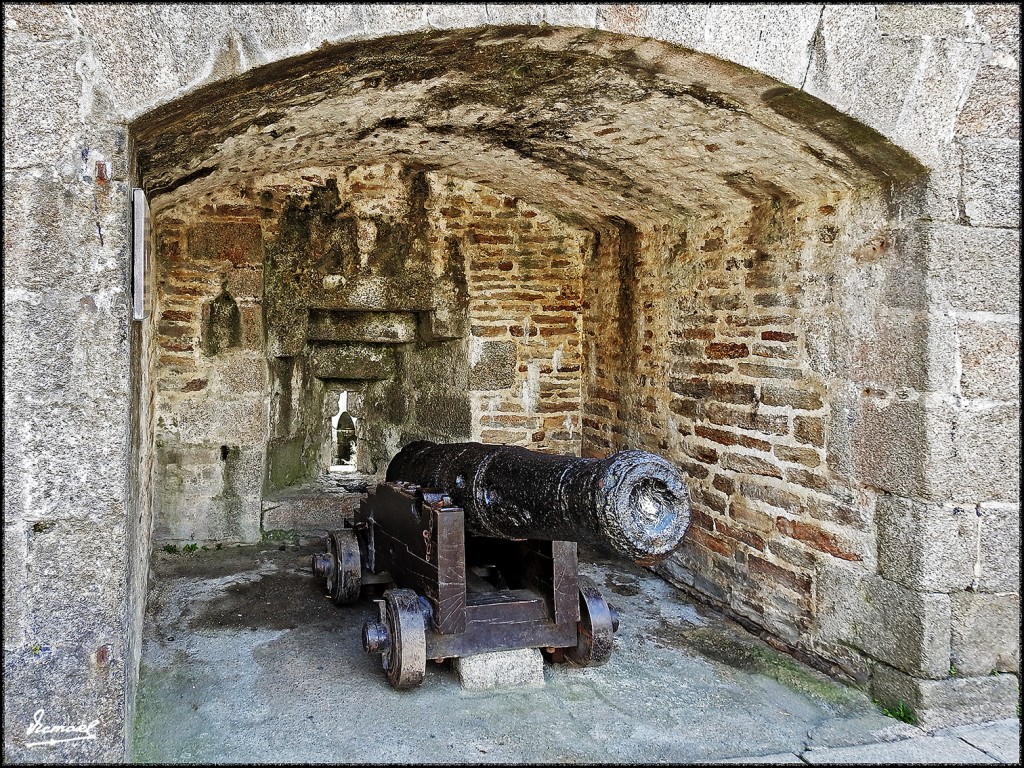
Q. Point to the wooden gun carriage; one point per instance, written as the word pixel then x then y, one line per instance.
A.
pixel 480 542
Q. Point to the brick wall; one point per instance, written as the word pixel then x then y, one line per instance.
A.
pixel 701 352
pixel 210 381
pixel 524 272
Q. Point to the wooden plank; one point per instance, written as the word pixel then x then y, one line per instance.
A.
pixel 449 552
pixel 483 637
pixel 565 582
pixel 506 605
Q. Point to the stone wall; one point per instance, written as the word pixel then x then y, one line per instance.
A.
pixel 609 128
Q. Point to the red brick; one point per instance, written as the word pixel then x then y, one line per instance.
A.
pixel 778 336
pixel 761 568
pixel 723 351
pixel 731 438
pixel 750 539
pixel 811 430
pixel 174 330
pixel 750 465
pixel 814 536
pixel 704 334
pixel 174 346
pixel 709 541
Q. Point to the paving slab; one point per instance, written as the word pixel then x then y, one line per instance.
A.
pixel 938 749
pixel 1000 739
pixel 245 660
pixel 786 758
pixel 871 728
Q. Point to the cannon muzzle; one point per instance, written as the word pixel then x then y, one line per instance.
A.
pixel 635 502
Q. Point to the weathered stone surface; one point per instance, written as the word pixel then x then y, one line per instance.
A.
pixel 242 374
pixel 991 189
pixel 352 361
pixel 999 547
pixel 455 16
pixel 904 752
pixel 515 13
pixel 41 125
pixel 888 443
pixel 920 76
pixel 1000 739
pixel 501 669
pixel 986 442
pixel 212 420
pixel 986 633
pixel 926 547
pixel 39 22
pixel 974 268
pixel 992 108
pixel 376 327
pixel 953 701
pixel 905 629
pixel 310 513
pixel 990 359
pixel 494 367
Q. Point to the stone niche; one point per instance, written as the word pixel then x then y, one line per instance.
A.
pixel 436 308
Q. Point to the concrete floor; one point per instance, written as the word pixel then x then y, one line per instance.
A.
pixel 246 661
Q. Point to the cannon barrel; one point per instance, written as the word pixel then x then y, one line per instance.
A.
pixel 634 502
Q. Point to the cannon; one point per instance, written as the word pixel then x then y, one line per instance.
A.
pixel 480 544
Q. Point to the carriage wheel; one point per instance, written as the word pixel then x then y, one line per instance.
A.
pixel 400 638
pixel 344 573
pixel 595 629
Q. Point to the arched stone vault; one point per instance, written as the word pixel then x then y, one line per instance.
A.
pixel 584 123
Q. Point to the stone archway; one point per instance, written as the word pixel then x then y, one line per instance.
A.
pixel 644 246
pixel 938 84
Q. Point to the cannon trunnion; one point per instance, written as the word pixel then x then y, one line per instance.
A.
pixel 464 582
